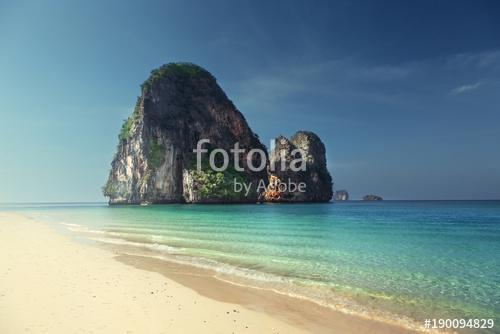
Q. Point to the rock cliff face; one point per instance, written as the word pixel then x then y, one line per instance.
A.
pixel 286 170
pixel 180 104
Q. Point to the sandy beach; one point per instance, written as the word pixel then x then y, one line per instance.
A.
pixel 50 283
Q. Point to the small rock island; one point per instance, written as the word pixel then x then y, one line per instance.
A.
pixel 341 195
pixel 181 104
pixel 372 198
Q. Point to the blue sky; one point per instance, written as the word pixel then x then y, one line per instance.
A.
pixel 405 96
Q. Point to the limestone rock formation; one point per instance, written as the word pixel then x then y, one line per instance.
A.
pixel 180 103
pixel 286 170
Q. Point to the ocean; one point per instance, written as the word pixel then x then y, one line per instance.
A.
pixel 400 260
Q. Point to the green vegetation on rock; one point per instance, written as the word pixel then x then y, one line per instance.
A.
pixel 109 189
pixel 155 153
pixel 179 69
pixel 214 184
pixel 126 130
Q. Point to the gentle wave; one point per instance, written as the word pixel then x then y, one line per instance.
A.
pixel 251 278
pixel 121 242
pixel 73 225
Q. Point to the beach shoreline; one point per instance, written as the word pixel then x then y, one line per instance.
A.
pixel 63 285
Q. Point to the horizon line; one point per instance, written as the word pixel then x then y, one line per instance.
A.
pixel 332 201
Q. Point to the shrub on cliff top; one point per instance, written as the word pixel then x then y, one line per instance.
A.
pixel 180 69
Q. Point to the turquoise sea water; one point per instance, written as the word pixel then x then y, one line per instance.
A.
pixel 406 260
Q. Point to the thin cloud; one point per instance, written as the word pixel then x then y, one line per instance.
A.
pixel 333 77
pixel 484 60
pixel 349 78
pixel 465 88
